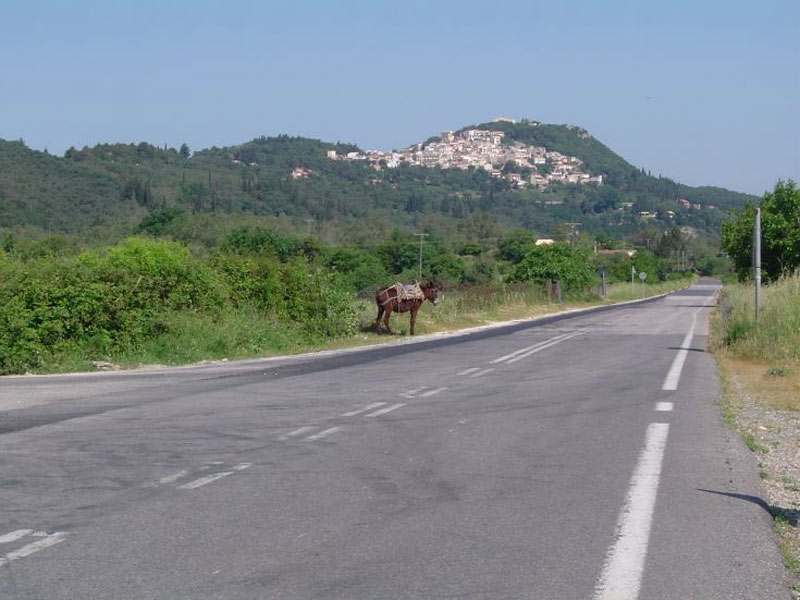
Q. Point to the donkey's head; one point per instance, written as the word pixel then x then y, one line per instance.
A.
pixel 431 288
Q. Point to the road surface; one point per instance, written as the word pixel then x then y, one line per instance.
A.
pixel 577 457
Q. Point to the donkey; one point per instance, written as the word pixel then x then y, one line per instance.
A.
pixel 404 298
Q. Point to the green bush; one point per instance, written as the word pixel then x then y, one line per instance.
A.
pixel 251 280
pixel 159 274
pixel 97 302
pixel 318 299
pixel 363 272
pixel 257 240
pixel 556 262
pixel 449 268
pixel 776 336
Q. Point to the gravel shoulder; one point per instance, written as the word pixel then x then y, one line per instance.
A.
pixel 772 432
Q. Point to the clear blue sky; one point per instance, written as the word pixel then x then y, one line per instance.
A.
pixel 706 92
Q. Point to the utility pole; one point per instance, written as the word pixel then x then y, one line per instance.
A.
pixel 421 236
pixel 572 232
pixel 308 226
pixel 757 260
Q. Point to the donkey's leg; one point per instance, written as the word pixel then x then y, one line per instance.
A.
pixel 386 319
pixel 378 318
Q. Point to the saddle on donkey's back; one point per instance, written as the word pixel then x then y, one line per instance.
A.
pixel 407 297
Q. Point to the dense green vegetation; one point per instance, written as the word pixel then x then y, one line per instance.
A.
pixel 258 290
pixel 780 234
pixel 776 336
pixel 110 187
pixel 133 253
pixel 102 304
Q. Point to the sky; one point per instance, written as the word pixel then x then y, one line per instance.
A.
pixel 706 92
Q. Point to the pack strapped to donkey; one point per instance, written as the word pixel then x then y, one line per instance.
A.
pixel 403 293
pixel 404 298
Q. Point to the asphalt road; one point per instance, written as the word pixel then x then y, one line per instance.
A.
pixel 579 457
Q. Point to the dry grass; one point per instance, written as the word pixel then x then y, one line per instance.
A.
pixel 774 387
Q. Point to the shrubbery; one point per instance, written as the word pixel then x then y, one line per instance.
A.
pixel 105 303
pixel 151 295
pixel 557 262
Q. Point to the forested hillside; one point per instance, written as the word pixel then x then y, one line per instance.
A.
pixel 293 177
pixel 134 253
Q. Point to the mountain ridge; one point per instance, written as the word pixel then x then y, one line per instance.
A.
pixel 295 177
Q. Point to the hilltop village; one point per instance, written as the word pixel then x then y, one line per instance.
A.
pixel 518 163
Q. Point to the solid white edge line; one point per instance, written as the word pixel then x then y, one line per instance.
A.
pixel 674 375
pixel 372 406
pixel 621 576
pixel 664 406
pixel 196 483
pixel 14 535
pixel 388 409
pixel 322 434
pixel 33 547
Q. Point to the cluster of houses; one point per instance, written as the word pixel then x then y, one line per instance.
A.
pixel 670 214
pixel 520 164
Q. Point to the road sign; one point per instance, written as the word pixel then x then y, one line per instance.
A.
pixel 642 275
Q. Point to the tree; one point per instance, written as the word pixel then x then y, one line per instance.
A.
pixel 556 262
pixel 184 151
pixel 780 234
pixel 516 245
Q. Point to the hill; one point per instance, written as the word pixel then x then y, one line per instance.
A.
pixel 296 177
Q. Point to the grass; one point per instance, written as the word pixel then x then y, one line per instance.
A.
pixel 763 358
pixel 775 338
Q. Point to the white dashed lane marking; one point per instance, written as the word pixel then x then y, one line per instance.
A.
pixel 482 372
pixel 468 371
pixel 173 477
pixel 388 409
pixel 544 346
pixel 196 483
pixel 364 409
pixel 621 577
pixel 413 393
pixel 14 535
pixel 297 432
pixel 664 406
pixel 522 352
pixel 432 392
pixel 29 549
pixel 674 374
pixel 323 434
